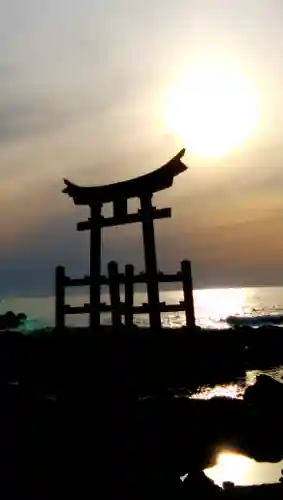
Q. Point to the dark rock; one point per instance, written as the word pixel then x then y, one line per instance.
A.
pixel 11 320
pixel 197 483
pixel 265 391
pixel 228 485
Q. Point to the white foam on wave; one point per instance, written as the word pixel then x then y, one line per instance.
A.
pixel 255 320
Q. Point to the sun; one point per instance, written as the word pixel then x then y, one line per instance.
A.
pixel 213 110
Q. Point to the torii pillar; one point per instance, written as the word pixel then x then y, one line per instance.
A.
pixel 150 261
pixel 95 264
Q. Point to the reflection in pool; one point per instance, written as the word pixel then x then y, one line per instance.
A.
pixel 235 467
pixel 242 470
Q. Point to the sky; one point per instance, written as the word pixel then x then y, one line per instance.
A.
pixel 84 87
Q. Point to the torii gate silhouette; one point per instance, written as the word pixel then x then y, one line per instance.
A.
pixel 142 187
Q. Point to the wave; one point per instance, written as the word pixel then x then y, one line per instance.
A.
pixel 254 320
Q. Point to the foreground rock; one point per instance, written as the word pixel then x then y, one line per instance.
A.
pixel 96 439
pixel 177 436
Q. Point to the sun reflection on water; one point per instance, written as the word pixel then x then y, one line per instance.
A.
pixel 212 306
pixel 234 391
pixel 231 467
pixel 218 304
pixel 241 470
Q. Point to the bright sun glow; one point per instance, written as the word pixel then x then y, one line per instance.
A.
pixel 231 467
pixel 213 110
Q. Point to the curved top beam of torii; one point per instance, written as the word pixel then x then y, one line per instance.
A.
pixel 159 179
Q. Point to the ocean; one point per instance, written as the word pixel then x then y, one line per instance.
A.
pixel 214 308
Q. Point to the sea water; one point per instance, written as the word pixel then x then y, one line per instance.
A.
pixel 213 307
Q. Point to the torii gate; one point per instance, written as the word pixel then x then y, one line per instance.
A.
pixel 142 187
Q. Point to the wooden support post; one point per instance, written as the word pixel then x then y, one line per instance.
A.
pixel 60 297
pixel 129 295
pixel 188 293
pixel 150 262
pixel 114 289
pixel 95 265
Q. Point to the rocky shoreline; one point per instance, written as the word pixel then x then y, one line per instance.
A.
pixel 75 419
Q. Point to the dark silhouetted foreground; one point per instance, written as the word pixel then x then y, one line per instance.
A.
pixel 90 415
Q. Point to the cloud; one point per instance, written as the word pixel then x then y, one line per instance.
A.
pixel 82 91
pixel 29 116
